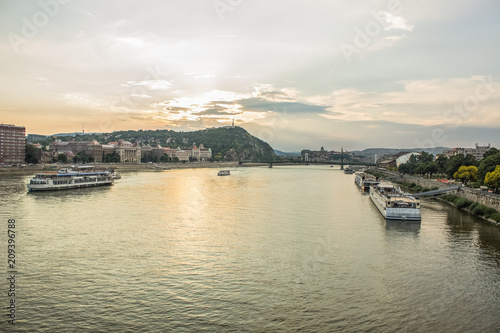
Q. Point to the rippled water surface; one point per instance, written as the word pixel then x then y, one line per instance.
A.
pixel 281 249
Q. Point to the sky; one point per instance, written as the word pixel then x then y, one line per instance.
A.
pixel 297 74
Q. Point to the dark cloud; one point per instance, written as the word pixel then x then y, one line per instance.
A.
pixel 258 104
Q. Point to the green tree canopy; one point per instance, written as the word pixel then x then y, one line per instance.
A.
pixel 492 179
pixel 431 168
pixel 466 174
pixel 31 155
pixel 62 158
pixel 82 157
pixel 114 157
pixel 454 163
pixel 491 152
pixel 488 164
pixel 442 161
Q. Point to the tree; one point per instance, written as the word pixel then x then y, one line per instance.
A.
pixel 62 158
pixel 425 157
pixel 470 160
pixel 114 157
pixel 420 169
pixel 431 168
pixel 454 163
pixel 492 179
pixel 82 157
pixel 31 155
pixel 441 161
pixel 407 168
pixel 466 174
pixel 488 164
pixel 491 152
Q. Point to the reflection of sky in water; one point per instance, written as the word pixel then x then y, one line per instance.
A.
pixel 260 250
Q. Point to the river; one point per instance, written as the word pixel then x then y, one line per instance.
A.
pixel 262 250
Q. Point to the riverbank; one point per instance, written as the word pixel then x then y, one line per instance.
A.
pixel 477 203
pixel 124 168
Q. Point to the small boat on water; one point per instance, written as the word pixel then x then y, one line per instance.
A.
pixel 223 173
pixel 348 171
pixel 394 204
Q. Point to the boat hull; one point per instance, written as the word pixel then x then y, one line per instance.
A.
pixel 39 188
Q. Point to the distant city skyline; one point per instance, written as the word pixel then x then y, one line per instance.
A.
pixel 296 74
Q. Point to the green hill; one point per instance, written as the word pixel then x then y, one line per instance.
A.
pixel 227 143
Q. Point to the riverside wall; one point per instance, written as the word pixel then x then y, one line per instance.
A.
pixel 467 193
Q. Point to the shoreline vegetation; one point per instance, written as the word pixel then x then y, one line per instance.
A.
pixel 477 209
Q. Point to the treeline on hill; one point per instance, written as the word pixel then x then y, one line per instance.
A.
pixel 464 168
pixel 227 143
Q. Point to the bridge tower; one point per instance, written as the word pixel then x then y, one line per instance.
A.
pixel 342 158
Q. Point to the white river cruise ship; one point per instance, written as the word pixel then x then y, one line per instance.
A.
pixel 393 204
pixel 69 179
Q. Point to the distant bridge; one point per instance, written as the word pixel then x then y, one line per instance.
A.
pixel 271 163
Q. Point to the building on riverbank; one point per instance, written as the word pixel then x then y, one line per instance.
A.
pixel 127 151
pixel 12 144
pixel 155 154
pixel 478 152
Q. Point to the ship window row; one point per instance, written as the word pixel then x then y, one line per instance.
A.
pixel 34 181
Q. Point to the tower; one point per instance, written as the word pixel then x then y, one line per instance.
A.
pixel 342 158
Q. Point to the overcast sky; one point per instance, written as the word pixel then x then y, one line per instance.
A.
pixel 295 73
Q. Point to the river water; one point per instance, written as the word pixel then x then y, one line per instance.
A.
pixel 262 250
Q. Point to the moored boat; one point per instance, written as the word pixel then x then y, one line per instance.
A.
pixel 52 181
pixel 394 204
pixel 223 173
pixel 365 181
pixel 348 171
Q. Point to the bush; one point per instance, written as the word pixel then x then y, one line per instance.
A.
pixel 479 210
pixel 472 206
pixel 488 212
pixel 462 203
pixel 495 217
pixel 451 198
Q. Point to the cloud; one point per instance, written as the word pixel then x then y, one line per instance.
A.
pixel 260 104
pixel 150 84
pixel 457 101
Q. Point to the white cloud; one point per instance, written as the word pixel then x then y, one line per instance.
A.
pixel 150 84
pixel 426 102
